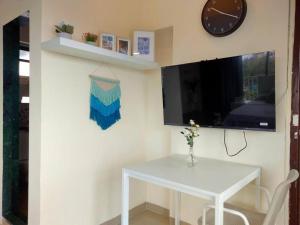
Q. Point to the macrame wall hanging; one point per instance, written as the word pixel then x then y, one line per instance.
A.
pixel 105 104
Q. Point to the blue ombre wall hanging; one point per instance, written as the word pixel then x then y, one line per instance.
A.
pixel 105 104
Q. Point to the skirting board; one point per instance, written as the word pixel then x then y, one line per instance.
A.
pixel 146 206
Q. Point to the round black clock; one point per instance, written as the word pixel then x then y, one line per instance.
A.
pixel 222 17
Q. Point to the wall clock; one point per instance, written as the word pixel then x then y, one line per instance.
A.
pixel 223 17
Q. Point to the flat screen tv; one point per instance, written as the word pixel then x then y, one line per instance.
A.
pixel 236 92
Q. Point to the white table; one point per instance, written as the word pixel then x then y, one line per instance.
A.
pixel 210 179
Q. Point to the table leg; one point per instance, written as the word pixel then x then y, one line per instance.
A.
pixel 177 207
pixel 125 198
pixel 219 211
pixel 258 194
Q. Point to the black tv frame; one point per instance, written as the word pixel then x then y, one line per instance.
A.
pixel 226 127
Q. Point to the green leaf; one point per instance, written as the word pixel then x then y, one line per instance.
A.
pixel 69 29
pixel 58 29
pixel 64 28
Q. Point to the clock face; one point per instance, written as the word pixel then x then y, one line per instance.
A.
pixel 222 17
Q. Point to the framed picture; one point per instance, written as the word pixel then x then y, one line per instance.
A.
pixel 108 41
pixel 144 44
pixel 123 46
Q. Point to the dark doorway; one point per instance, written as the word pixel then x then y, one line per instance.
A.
pixel 295 142
pixel 16 61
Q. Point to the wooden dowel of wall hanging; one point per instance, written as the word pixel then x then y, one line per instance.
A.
pixel 104 79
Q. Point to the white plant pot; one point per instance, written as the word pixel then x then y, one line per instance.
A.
pixel 64 35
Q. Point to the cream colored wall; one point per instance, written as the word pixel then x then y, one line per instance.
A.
pixel 81 164
pixel 10 9
pixel 117 17
pixel 157 135
pixel 263 29
pixel 157 138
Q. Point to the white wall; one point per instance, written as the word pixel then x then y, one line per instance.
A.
pixel 97 16
pixel 262 30
pixel 81 164
pixel 9 10
pixel 157 138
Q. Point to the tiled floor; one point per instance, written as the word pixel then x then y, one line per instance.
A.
pixel 146 218
pixel 150 218
pixel 4 222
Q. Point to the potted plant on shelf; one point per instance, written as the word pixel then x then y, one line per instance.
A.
pixel 64 30
pixel 90 38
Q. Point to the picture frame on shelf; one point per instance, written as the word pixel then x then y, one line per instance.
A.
pixel 108 41
pixel 144 45
pixel 123 46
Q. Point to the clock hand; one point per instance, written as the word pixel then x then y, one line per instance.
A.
pixel 227 14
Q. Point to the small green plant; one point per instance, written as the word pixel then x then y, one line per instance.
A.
pixel 90 37
pixel 64 28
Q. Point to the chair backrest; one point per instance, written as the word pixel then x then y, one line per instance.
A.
pixel 279 197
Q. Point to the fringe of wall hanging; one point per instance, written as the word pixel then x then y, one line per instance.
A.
pixel 105 104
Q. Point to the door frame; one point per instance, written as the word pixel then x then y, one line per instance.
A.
pixel 294 128
pixel 11 97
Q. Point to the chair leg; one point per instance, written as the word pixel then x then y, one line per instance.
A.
pixel 204 215
pixel 230 211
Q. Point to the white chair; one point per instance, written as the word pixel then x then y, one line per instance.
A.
pixel 238 216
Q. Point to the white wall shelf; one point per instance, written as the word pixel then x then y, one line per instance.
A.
pixel 85 51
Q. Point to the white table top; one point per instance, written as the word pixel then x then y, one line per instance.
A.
pixel 209 176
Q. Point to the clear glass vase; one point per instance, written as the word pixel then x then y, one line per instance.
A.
pixel 192 159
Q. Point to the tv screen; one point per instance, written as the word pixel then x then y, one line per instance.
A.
pixel 236 92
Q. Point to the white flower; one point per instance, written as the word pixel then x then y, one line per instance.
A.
pixel 192 122
pixel 191 132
